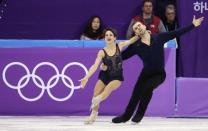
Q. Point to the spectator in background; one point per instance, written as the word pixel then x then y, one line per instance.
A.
pixel 93 29
pixel 170 22
pixel 152 22
pixel 160 6
pixel 170 18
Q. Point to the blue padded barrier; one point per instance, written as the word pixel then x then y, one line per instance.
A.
pixel 40 43
pixel 21 43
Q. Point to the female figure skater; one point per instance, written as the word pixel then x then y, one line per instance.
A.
pixel 150 49
pixel 110 79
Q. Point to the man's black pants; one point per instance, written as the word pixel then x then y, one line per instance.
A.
pixel 143 92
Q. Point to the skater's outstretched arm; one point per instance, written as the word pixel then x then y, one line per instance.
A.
pixel 92 69
pixel 128 42
pixel 166 36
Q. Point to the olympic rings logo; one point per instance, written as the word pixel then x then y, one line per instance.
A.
pixel 38 81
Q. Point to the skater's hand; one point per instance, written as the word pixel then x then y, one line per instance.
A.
pixel 103 67
pixel 83 82
pixel 197 22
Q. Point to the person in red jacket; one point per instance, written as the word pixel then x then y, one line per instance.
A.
pixel 152 22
